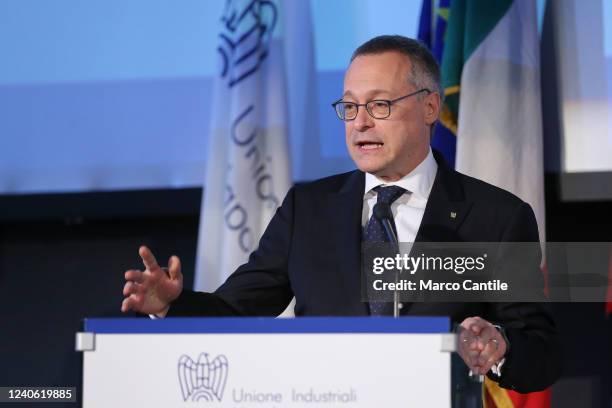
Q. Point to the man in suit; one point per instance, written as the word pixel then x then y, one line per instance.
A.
pixel 311 248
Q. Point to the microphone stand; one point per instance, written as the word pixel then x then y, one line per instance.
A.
pixel 393 239
pixel 383 213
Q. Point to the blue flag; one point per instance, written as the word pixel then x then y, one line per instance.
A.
pixel 432 29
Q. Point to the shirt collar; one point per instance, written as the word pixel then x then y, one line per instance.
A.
pixel 419 181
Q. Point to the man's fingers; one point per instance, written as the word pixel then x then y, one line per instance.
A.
pixel 486 335
pixel 148 259
pixel 468 343
pixel 129 303
pixel 125 305
pixel 470 333
pixel 132 302
pixel 489 356
pixel 134 275
pixel 474 324
pixel 470 357
pixel 477 326
pixel 130 288
pixel 468 340
pixel 174 267
pixel 487 353
pixel 492 349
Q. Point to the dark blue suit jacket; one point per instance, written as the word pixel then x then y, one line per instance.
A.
pixel 311 250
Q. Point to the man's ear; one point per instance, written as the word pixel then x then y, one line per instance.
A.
pixel 432 108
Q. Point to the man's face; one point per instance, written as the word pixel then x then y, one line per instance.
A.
pixel 388 148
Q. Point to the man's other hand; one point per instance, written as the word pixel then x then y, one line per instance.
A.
pixel 481 345
pixel 151 291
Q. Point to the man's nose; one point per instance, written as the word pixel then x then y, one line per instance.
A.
pixel 363 121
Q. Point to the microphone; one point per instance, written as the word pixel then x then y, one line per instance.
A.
pixel 382 212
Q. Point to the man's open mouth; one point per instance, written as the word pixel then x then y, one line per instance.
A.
pixel 369 145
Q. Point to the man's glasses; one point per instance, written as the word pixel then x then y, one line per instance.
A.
pixel 377 108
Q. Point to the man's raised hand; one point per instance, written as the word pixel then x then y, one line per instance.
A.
pixel 151 291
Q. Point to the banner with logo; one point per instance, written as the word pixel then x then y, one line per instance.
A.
pixel 247 173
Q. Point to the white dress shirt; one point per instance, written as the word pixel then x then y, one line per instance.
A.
pixel 409 208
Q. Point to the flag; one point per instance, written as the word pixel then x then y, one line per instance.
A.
pixel 432 29
pixel 491 69
pixel 491 78
pixel 497 397
pixel 248 167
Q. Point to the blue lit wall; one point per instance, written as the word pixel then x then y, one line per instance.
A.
pixel 103 95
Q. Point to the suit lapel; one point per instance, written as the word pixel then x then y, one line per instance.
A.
pixel 446 207
pixel 445 210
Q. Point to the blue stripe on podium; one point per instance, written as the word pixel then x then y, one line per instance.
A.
pixel 411 324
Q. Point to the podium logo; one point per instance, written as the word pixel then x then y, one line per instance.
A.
pixel 202 380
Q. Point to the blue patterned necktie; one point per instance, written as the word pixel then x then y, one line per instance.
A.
pixel 374 232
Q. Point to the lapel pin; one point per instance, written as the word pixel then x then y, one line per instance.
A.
pixel 453 215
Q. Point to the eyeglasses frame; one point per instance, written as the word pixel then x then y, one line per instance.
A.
pixel 365 105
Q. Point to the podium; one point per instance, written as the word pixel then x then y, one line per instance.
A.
pixel 267 362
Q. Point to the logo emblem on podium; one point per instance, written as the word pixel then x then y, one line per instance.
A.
pixel 203 380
